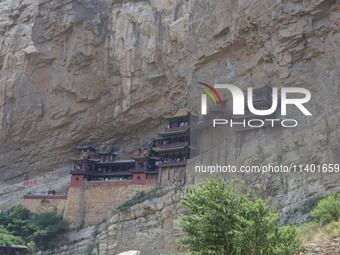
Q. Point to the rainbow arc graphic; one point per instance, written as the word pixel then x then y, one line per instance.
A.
pixel 209 90
pixel 211 94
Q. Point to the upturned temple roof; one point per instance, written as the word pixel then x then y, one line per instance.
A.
pixel 85 155
pixel 142 154
pixel 180 113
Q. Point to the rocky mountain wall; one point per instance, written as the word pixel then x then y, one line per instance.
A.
pixel 75 72
pixel 104 71
pixel 149 227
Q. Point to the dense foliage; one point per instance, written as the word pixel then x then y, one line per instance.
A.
pixel 7 238
pixel 324 222
pixel 328 210
pixel 19 226
pixel 222 220
pixel 50 229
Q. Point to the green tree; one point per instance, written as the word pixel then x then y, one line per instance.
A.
pixel 222 220
pixel 51 229
pixel 328 210
pixel 6 238
pixel 19 222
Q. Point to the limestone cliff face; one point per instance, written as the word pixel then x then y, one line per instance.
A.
pixel 149 227
pixel 98 71
pixel 74 72
pixel 90 71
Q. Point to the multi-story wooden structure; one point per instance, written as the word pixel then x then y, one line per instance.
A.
pixel 91 167
pixel 145 170
pixel 173 146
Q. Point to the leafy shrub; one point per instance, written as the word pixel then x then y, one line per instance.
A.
pixel 220 220
pixel 18 221
pixel 19 226
pixel 328 210
pixel 6 238
pixel 333 228
pixel 51 229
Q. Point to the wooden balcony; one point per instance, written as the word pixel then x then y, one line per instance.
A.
pixel 173 145
pixel 79 172
pixel 172 129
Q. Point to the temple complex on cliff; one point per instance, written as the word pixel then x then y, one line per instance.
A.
pixel 173 145
pixel 171 149
pixel 102 180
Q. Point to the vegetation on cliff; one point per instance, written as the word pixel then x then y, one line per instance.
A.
pixel 324 222
pixel 19 226
pixel 220 219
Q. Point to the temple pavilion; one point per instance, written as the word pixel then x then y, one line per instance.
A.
pixel 90 165
pixel 173 145
pixel 145 170
pixel 171 149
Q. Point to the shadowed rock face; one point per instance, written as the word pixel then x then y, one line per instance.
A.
pixel 74 72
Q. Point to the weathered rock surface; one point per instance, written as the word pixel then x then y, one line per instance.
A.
pixel 90 71
pixel 73 72
pixel 149 227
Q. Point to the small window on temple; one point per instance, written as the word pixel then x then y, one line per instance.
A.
pixel 77 179
pixel 138 177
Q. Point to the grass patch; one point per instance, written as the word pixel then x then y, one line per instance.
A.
pixel 314 232
pixel 325 220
